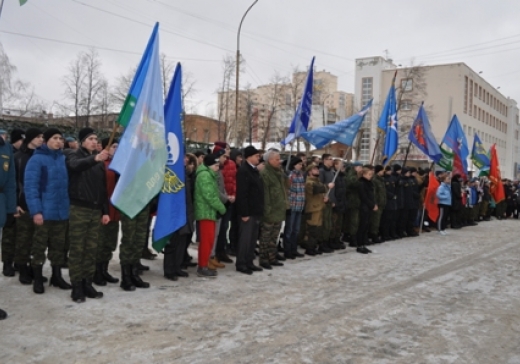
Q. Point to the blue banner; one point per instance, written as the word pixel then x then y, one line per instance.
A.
pixel 344 131
pixel 454 144
pixel 422 137
pixel 300 122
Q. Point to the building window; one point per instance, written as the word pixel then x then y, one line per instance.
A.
pixel 406 84
pixel 465 94
pixel 475 111
pixel 367 92
pixel 406 105
pixel 475 90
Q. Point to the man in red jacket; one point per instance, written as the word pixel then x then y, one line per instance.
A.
pixel 229 172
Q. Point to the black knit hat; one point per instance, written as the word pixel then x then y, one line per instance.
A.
pixel 249 151
pixel 396 167
pixel 85 133
pixel 49 133
pixel 30 134
pixel 210 160
pixel 378 168
pixel 16 135
pixel 105 141
pixel 294 161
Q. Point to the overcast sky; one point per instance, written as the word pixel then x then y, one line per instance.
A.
pixel 276 36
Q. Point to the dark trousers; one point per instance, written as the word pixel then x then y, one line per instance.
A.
pixel 8 243
pixel 222 234
pixel 411 216
pixel 363 227
pixel 233 228
pixel 387 226
pixel 292 228
pixel 248 235
pixel 442 221
pixel 174 253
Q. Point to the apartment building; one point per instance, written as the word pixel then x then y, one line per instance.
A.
pixel 446 90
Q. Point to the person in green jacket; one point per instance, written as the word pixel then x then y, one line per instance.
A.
pixel 380 194
pixel 275 204
pixel 351 221
pixel 207 204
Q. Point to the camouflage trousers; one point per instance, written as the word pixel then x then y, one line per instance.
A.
pixel 326 223
pixel 107 244
pixel 84 226
pixel 268 235
pixel 484 208
pixel 52 235
pixel 24 239
pixel 337 225
pixel 351 222
pixel 8 243
pixel 375 221
pixel 134 233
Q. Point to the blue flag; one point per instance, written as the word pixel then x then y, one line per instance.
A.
pixel 344 131
pixel 300 122
pixel 141 155
pixel 454 148
pixel 422 137
pixel 171 212
pixel 389 108
pixel 479 155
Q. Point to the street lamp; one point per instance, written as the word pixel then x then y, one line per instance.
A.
pixel 238 64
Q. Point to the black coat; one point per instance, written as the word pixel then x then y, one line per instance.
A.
pixel 340 193
pixel 456 195
pixel 366 194
pixel 411 196
pixel 391 192
pixel 21 157
pixel 250 191
pixel 87 181
pixel 399 190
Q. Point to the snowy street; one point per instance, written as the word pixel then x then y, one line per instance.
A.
pixel 430 299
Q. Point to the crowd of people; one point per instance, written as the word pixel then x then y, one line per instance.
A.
pixel 239 203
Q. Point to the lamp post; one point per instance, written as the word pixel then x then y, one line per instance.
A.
pixel 238 66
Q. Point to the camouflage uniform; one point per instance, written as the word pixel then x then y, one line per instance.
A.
pixel 51 234
pixel 134 232
pixel 107 241
pixel 84 224
pixel 8 243
pixel 314 206
pixel 268 237
pixel 24 239
pixel 380 195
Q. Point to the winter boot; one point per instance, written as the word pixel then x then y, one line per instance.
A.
pixel 99 279
pixel 90 291
pixel 57 280
pixel 126 278
pixel 107 275
pixel 38 279
pixel 136 280
pixel 324 248
pixel 8 269
pixel 24 277
pixel 32 274
pixel 77 293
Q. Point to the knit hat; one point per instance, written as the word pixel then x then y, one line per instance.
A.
pixel 378 168
pixel 104 142
pixel 31 133
pixel 85 133
pixel 249 151
pixel 220 146
pixel 16 135
pixel 396 167
pixel 388 168
pixel 234 154
pixel 294 161
pixel 219 152
pixel 49 133
pixel 210 160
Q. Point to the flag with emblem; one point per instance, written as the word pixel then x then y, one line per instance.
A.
pixel 141 154
pixel 171 214
pixel 454 148
pixel 388 125
pixel 422 137
pixel 480 156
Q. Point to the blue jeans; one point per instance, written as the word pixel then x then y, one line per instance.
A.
pixel 292 223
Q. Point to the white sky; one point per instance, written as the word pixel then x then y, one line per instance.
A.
pixel 276 35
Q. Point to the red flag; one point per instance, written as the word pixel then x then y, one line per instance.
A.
pixel 458 167
pixel 431 201
pixel 496 188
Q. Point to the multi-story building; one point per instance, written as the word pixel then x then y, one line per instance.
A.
pixel 445 90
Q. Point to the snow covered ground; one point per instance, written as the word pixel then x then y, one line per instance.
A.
pixel 431 299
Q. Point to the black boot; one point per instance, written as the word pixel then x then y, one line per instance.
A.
pixel 38 279
pixel 99 279
pixel 31 273
pixel 141 267
pixel 57 280
pixel 126 278
pixel 3 315
pixel 8 269
pixel 107 275
pixel 324 248
pixel 90 291
pixel 77 294
pixel 24 276
pixel 136 280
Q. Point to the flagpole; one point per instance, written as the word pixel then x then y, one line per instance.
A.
pixel 406 156
pixel 375 148
pixel 112 136
pixel 1 7
pixel 339 170
pixel 290 153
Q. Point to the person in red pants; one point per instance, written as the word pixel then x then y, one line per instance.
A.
pixel 207 205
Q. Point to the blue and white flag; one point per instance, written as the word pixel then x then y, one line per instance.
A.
pixel 141 154
pixel 344 131
pixel 422 137
pixel 300 122
pixel 171 212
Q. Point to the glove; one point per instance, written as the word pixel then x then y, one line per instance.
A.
pixel 9 220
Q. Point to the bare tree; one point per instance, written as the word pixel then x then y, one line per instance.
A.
pixel 223 92
pixel 119 91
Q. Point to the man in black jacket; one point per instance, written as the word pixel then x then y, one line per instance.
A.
pixel 88 210
pixel 367 207
pixel 389 217
pixel 250 208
